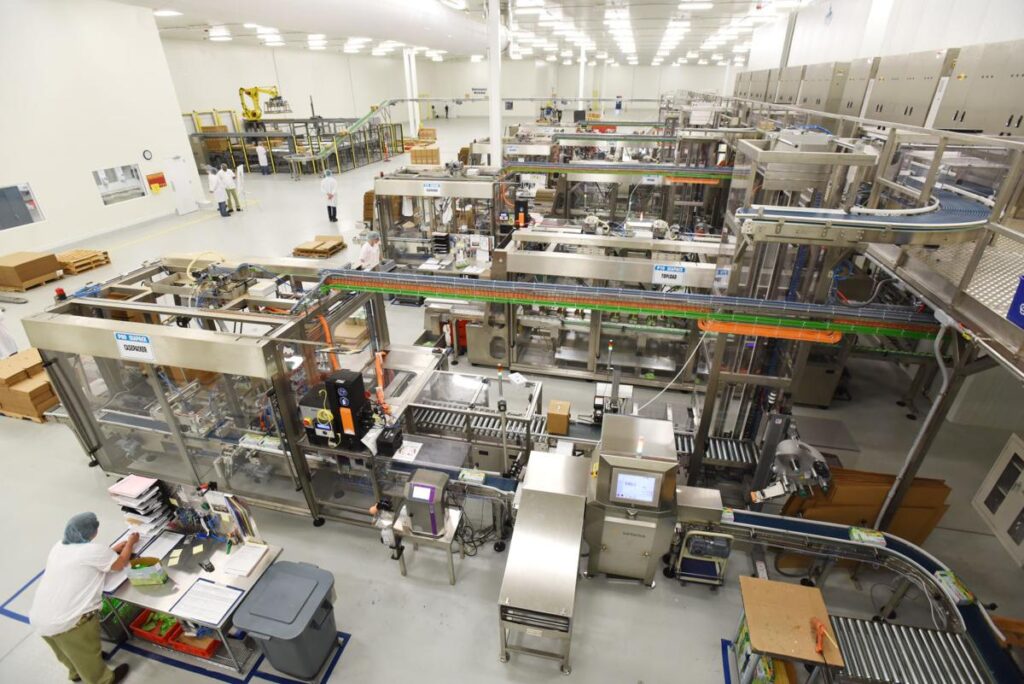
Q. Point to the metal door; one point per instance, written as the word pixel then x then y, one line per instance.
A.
pixel 998 104
pixel 966 74
pixel 882 100
pixel 1000 499
pixel 626 546
pixel 860 72
pixel 182 184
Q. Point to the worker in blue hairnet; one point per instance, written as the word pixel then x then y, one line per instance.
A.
pixel 66 607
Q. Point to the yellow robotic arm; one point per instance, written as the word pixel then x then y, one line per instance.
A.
pixel 253 112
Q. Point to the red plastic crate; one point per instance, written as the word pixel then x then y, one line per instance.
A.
pixel 153 636
pixel 192 650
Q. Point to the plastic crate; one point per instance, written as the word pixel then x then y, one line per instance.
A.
pixel 183 647
pixel 153 635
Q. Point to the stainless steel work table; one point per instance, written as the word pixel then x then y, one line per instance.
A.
pixel 182 575
pixel 538 592
pixel 452 520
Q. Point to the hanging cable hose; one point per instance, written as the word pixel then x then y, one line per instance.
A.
pixel 685 365
pixel 870 300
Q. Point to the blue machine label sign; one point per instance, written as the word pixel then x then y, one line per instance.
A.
pixel 135 347
pixel 668 274
pixel 1016 313
pixel 431 188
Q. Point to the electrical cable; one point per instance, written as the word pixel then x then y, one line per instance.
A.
pixel 685 365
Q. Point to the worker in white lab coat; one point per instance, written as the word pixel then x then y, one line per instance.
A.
pixel 218 190
pixel 262 158
pixel 369 255
pixel 228 176
pixel 329 187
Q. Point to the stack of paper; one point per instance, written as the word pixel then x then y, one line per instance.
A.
pixel 243 559
pixel 144 505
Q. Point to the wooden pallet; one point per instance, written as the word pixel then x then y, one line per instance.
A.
pixel 81 260
pixel 12 414
pixel 32 282
pixel 322 247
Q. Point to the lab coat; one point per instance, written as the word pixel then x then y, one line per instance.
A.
pixel 228 176
pixel 261 155
pixel 217 187
pixel 329 186
pixel 369 256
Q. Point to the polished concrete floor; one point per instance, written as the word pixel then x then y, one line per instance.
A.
pixel 419 627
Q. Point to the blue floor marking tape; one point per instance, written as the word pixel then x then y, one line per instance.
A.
pixel 6 612
pixel 343 638
pixel 725 660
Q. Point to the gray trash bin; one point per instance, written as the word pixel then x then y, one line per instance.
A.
pixel 290 615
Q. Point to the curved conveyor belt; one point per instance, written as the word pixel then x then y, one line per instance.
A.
pixel 979 629
pixel 954 213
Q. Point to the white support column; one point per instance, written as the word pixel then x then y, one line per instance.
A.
pixel 583 75
pixel 413 129
pixel 415 90
pixel 494 85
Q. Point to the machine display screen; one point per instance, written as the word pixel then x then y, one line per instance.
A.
pixel 421 493
pixel 635 487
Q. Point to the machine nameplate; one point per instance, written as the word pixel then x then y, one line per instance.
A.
pixel 431 188
pixel 668 274
pixel 134 347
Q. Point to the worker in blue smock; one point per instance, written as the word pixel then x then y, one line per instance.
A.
pixel 66 607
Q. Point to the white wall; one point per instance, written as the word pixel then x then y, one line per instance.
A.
pixel 847 30
pixel 208 75
pixel 85 86
pixel 526 78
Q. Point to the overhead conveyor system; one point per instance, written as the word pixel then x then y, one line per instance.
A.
pixel 891 321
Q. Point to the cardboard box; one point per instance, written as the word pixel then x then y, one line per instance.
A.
pixel 20 267
pixel 11 371
pixel 30 397
pixel 558 417
pixel 425 154
pixel 351 333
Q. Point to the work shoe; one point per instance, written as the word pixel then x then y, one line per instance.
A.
pixel 120 672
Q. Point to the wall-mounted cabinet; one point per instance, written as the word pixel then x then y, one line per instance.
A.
pixel 788 89
pixel 905 86
pixel 861 73
pixel 955 105
pixel 823 86
pixel 742 85
pixel 773 85
pixel 758 85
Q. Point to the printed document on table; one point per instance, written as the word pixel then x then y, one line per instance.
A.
pixel 207 602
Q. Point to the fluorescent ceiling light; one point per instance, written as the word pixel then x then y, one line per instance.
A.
pixel 702 62
pixel 566 53
pixel 692 54
pixel 317 47
pixel 220 39
pixel 316 36
pixel 567 62
pixel 166 13
pixel 696 6
pixel 551 48
pixel 351 50
pixel 551 58
pixel 476 58
pixel 591 63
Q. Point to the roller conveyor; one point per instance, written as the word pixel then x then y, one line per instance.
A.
pixel 897 553
pixel 884 652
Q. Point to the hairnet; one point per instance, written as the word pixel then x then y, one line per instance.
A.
pixel 373 235
pixel 328 172
pixel 81 528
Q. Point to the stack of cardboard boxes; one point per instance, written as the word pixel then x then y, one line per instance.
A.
pixel 25 390
pixel 425 155
pixel 23 270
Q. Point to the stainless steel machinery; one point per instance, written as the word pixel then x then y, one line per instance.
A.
pixel 437 220
pixel 631 501
pixel 538 592
pixel 424 502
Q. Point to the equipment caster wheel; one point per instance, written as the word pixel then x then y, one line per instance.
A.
pixel 503 659
pixel 566 670
pixel 667 572
pixel 499 546
pixel 319 522
pixel 665 558
pixel 807 582
pixel 651 585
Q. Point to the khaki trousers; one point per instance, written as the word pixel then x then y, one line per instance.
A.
pixel 79 650
pixel 233 202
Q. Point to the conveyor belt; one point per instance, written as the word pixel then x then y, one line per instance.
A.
pixel 734 453
pixel 954 213
pixel 979 630
pixel 884 652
